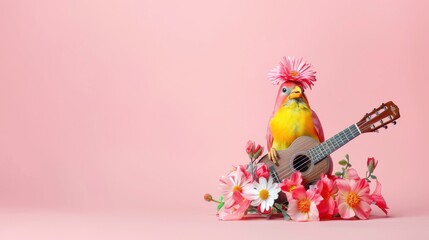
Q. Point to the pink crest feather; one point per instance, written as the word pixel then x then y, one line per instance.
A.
pixel 293 69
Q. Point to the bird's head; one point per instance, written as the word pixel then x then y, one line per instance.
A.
pixel 293 75
pixel 290 91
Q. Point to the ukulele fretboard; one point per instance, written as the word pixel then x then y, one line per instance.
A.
pixel 329 146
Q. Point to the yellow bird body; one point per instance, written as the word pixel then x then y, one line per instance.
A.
pixel 290 122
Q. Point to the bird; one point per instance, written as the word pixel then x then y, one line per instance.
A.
pixel 292 116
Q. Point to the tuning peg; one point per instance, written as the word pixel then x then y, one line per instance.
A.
pixel 385 127
pixel 394 122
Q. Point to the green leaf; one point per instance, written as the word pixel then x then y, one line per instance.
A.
pixel 347 157
pixel 338 174
pixel 342 162
pixel 349 165
pixel 373 177
pixel 220 205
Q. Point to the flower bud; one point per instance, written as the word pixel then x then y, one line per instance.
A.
pixel 371 163
pixel 250 146
pixel 265 211
pixel 262 171
pixel 208 197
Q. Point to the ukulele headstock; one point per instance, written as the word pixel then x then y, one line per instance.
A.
pixel 379 117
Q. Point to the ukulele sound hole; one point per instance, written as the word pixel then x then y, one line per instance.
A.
pixel 301 163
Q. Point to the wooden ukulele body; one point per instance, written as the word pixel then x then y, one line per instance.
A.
pixel 298 158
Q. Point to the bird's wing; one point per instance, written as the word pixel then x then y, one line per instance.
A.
pixel 269 136
pixel 318 127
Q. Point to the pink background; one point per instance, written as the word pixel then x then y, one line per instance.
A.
pixel 120 115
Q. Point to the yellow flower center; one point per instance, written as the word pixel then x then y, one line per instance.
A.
pixel 237 188
pixel 294 73
pixel 304 205
pixel 353 199
pixel 293 187
pixel 263 194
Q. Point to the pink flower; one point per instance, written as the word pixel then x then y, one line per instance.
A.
pixel 262 171
pixel 288 185
pixel 351 173
pixel 378 199
pixel 303 205
pixel 293 69
pixel 250 146
pixel 235 212
pixel 374 163
pixel 326 188
pixel 353 198
pixel 246 174
pixel 235 182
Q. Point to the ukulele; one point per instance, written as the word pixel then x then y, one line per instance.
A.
pixel 306 155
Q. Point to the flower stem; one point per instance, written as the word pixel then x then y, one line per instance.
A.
pixel 251 168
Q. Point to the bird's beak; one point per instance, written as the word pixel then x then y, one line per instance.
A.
pixel 296 93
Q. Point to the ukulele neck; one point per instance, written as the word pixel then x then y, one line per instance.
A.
pixel 329 146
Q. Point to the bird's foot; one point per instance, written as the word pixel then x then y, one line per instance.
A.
pixel 273 156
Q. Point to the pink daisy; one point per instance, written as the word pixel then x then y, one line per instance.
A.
pixel 293 69
pixel 233 187
pixel 235 212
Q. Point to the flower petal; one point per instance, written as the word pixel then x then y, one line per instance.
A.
pixel 345 211
pixel 363 210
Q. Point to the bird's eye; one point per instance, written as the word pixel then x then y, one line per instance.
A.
pixel 284 90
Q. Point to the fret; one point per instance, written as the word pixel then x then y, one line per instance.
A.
pixel 332 148
pixel 327 145
pixel 350 132
pixel 343 137
pixel 337 139
pixel 322 147
pixel 346 135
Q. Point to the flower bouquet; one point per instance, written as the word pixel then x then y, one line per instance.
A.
pixel 249 190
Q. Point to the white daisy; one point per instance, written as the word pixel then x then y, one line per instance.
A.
pixel 264 193
pixel 234 182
